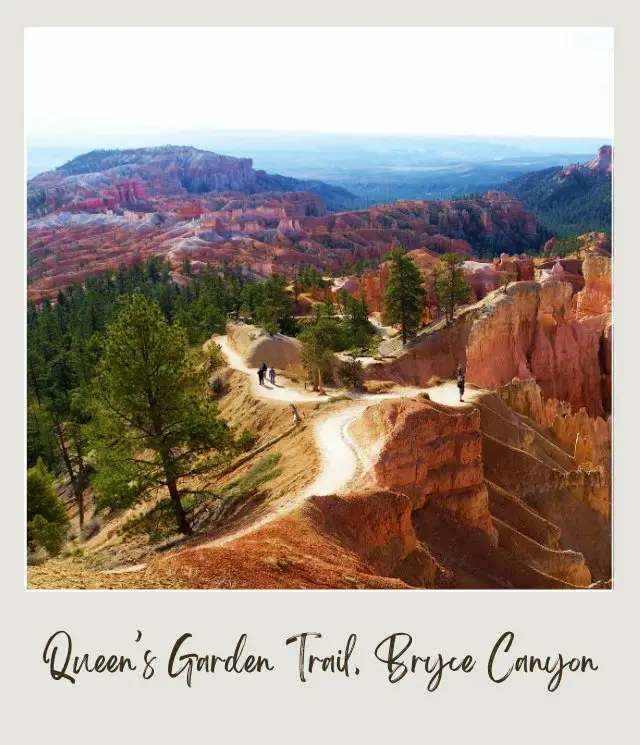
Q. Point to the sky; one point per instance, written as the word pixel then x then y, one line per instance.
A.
pixel 481 81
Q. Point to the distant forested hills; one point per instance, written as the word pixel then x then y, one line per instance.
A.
pixel 566 201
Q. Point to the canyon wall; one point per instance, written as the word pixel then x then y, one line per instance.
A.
pixel 449 462
pixel 432 454
pixel 529 332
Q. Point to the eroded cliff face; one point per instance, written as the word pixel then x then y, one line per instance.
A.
pixel 595 299
pixel 531 526
pixel 431 454
pixel 434 353
pixel 587 439
pixel 529 332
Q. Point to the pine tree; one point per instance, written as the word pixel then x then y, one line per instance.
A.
pixel 352 372
pixel 405 296
pixel 153 426
pixel 451 288
pixel 358 329
pixel 47 521
pixel 320 338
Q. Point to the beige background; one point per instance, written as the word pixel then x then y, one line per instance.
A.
pixel 276 707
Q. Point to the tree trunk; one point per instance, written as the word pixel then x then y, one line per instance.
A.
pixel 181 515
pixel 75 483
pixel 319 378
pixel 34 382
pixel 81 479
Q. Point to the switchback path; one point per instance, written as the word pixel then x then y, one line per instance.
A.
pixel 341 459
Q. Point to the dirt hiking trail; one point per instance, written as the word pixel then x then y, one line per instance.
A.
pixel 341 458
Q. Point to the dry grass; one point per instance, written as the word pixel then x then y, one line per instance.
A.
pixel 435 380
pixel 60 575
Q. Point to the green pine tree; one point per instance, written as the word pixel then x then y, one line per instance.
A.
pixel 358 329
pixel 405 296
pixel 320 338
pixel 451 288
pixel 47 521
pixel 153 425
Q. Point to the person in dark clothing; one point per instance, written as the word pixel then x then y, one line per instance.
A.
pixel 460 377
pixel 272 376
pixel 264 368
pixel 261 375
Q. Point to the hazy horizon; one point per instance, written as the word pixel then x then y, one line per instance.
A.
pixel 79 137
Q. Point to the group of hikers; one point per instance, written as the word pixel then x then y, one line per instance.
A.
pixel 263 371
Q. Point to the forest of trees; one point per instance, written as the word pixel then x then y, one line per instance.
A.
pixel 82 359
pixel 66 341
pixel 579 203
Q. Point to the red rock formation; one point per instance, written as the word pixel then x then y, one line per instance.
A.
pixel 603 162
pixel 521 266
pixel 505 538
pixel 587 439
pixel 286 229
pixel 432 454
pixel 595 299
pixel 528 332
pixel 482 277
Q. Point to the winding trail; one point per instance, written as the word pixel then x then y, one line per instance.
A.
pixel 266 391
pixel 341 458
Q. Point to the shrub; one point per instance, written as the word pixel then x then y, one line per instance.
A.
pixel 90 529
pixel 47 521
pixel 351 373
pixel 36 556
pixel 158 524
pixel 434 380
pixel 49 535
pixel 217 386
pixel 215 358
pixel 246 440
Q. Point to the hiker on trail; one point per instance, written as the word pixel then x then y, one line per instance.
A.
pixel 296 416
pixel 264 368
pixel 460 376
pixel 272 376
pixel 261 375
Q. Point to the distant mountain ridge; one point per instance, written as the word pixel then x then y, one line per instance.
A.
pixel 572 200
pixel 131 178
